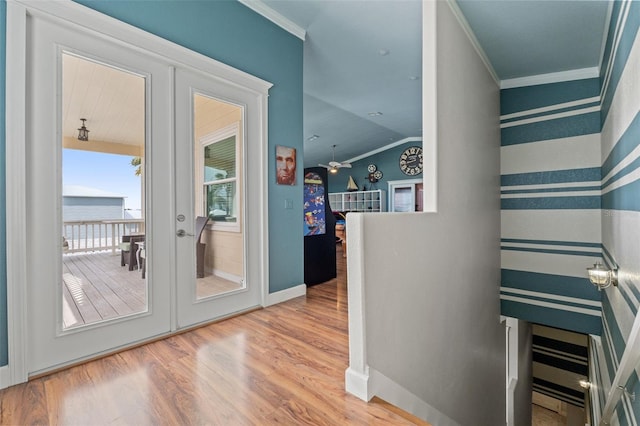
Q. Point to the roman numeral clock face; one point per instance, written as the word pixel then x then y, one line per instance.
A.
pixel 411 161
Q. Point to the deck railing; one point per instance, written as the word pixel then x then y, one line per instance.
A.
pixel 98 235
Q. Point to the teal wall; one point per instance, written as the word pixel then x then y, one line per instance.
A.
pixel 4 356
pixel 229 32
pixel 386 161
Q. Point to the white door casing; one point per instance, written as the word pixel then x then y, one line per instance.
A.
pixel 408 185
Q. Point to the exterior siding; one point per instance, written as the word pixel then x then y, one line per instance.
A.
pixel 92 208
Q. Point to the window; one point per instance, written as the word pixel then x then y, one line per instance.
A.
pixel 220 179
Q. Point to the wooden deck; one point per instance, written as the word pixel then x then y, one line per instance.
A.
pixel 97 288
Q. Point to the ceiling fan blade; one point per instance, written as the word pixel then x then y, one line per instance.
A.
pixel 345 165
pixel 325 166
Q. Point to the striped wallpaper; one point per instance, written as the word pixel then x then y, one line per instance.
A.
pixel 571 196
pixel 551 204
pixel 560 361
pixel 620 158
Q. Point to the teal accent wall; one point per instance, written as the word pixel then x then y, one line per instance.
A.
pixel 627 36
pixel 550 201
pixel 532 97
pixel 4 356
pixel 620 220
pixel 231 33
pixel 386 161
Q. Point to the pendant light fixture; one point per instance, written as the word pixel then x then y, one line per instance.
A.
pixel 83 132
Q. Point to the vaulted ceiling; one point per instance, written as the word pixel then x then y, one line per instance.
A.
pixel 364 57
pixel 363 65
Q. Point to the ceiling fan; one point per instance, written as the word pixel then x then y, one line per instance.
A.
pixel 334 165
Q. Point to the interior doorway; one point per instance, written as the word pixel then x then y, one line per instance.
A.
pixel 560 368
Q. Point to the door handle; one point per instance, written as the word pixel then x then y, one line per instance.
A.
pixel 181 233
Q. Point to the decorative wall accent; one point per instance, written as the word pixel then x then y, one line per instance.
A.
pixel 550 200
pixel 620 211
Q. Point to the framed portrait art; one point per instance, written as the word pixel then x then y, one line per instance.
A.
pixel 285 165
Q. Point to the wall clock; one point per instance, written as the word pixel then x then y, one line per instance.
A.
pixel 411 161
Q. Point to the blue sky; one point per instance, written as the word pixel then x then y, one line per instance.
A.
pixel 108 172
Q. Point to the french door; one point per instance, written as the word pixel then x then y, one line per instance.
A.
pixel 184 174
pixel 218 175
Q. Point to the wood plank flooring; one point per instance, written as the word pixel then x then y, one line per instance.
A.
pixel 282 365
pixel 97 288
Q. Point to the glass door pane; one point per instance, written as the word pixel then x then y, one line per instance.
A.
pixel 82 300
pixel 103 231
pixel 218 196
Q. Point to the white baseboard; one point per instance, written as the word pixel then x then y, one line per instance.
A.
pixel 225 275
pixel 357 384
pixel 5 379
pixel 284 295
pixel 388 390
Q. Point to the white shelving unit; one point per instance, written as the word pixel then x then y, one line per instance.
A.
pixel 358 201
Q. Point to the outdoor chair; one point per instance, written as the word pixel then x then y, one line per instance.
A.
pixel 143 262
pixel 128 250
pixel 201 223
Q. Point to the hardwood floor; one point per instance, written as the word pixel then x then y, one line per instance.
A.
pixel 544 417
pixel 283 364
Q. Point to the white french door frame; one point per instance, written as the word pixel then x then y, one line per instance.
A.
pixel 67 11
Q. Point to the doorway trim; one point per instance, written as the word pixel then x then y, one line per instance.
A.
pixel 392 184
pixel 67 12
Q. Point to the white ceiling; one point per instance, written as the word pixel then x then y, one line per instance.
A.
pixel 111 100
pixel 346 78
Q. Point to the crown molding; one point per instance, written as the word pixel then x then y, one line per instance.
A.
pixel 453 4
pixel 286 24
pixel 554 77
pixel 384 148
